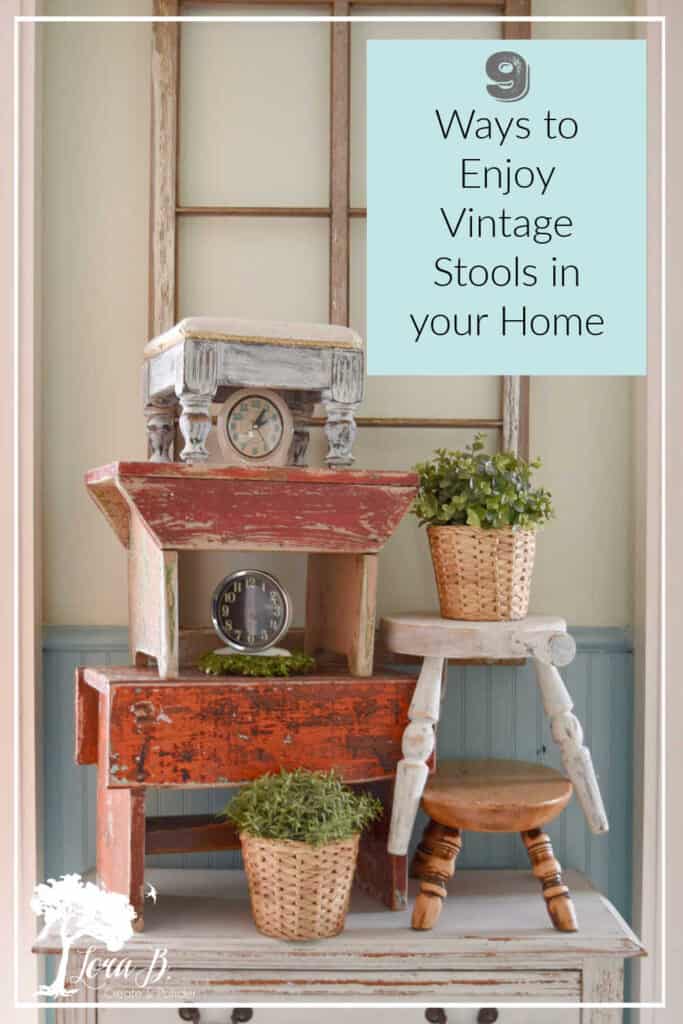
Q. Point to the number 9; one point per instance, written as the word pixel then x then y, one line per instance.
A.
pixel 510 72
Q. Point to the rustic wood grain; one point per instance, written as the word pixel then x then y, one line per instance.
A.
pixel 293 509
pixel 434 865
pixel 379 873
pixel 202 732
pixel 152 599
pixel 86 719
pixel 340 119
pixel 253 211
pixel 120 829
pixel 341 600
pixel 164 141
pixel 495 795
pixel 521 29
pixel 189 833
pixel 548 871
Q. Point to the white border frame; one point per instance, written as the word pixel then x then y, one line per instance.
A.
pixel 25 561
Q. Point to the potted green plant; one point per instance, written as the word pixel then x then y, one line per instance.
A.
pixel 481 512
pixel 299 833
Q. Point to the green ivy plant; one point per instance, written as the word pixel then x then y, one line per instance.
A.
pixel 474 488
pixel 262 665
pixel 303 806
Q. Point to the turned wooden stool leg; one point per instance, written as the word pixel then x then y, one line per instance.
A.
pixel 548 870
pixel 433 864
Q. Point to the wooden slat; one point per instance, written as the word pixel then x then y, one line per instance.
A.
pixel 340 119
pixel 520 29
pixel 516 390
pixel 189 833
pixel 253 211
pixel 220 732
pixel 353 511
pixel 414 422
pixel 86 715
pixel 162 236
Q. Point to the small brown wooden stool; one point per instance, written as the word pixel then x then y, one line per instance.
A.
pixel 490 796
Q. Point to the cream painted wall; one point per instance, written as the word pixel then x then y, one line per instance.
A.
pixel 95 291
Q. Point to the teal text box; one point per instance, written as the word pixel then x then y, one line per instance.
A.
pixel 433 307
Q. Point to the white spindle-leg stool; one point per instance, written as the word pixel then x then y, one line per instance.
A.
pixel 436 640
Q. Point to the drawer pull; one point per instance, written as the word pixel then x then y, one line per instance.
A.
pixel 240 1015
pixel 487 1015
pixel 436 1015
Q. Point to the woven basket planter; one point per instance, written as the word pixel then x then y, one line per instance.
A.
pixel 482 575
pixel 299 891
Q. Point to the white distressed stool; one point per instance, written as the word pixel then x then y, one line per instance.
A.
pixel 436 640
pixel 202 359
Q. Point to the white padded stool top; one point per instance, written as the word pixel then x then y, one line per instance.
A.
pixel 255 332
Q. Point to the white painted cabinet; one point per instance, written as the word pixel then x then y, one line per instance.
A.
pixel 493 947
pixel 413 1015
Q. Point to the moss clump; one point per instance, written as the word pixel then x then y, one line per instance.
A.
pixel 303 806
pixel 295 664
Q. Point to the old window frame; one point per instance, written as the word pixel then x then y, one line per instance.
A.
pixel 512 423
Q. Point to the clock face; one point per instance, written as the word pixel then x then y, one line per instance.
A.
pixel 250 610
pixel 254 426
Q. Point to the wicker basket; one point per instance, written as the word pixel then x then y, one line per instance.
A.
pixel 482 575
pixel 299 891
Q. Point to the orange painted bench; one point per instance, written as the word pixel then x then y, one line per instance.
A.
pixel 197 731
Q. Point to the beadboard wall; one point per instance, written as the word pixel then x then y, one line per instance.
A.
pixel 488 711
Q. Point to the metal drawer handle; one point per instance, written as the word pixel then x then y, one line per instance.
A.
pixel 437 1015
pixel 240 1015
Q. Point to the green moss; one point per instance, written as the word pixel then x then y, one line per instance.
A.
pixel 295 664
pixel 304 806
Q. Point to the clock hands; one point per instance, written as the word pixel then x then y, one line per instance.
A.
pixel 260 419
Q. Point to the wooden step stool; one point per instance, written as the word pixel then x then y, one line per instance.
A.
pixel 490 796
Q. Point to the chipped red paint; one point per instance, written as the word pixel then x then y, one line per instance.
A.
pixel 201 733
pixel 219 508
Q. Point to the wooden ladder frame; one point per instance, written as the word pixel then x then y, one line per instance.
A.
pixel 512 424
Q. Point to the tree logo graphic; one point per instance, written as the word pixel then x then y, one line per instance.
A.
pixel 73 909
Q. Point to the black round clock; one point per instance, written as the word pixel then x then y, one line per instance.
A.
pixel 251 610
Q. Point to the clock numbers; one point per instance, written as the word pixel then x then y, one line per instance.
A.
pixel 255 427
pixel 250 610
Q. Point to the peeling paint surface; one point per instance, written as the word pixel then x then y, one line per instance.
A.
pixel 189 732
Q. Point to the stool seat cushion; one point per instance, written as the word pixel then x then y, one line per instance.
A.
pixel 495 795
pixel 255 332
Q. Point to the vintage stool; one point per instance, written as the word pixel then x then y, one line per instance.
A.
pixel 435 640
pixel 490 796
pixel 202 359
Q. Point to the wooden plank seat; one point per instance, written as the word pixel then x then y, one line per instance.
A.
pixel 490 796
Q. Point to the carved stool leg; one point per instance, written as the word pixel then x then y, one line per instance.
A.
pixel 567 733
pixel 160 430
pixel 195 424
pixel 548 870
pixel 434 864
pixel 417 745
pixel 340 429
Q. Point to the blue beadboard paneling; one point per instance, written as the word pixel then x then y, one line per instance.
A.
pixel 488 711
